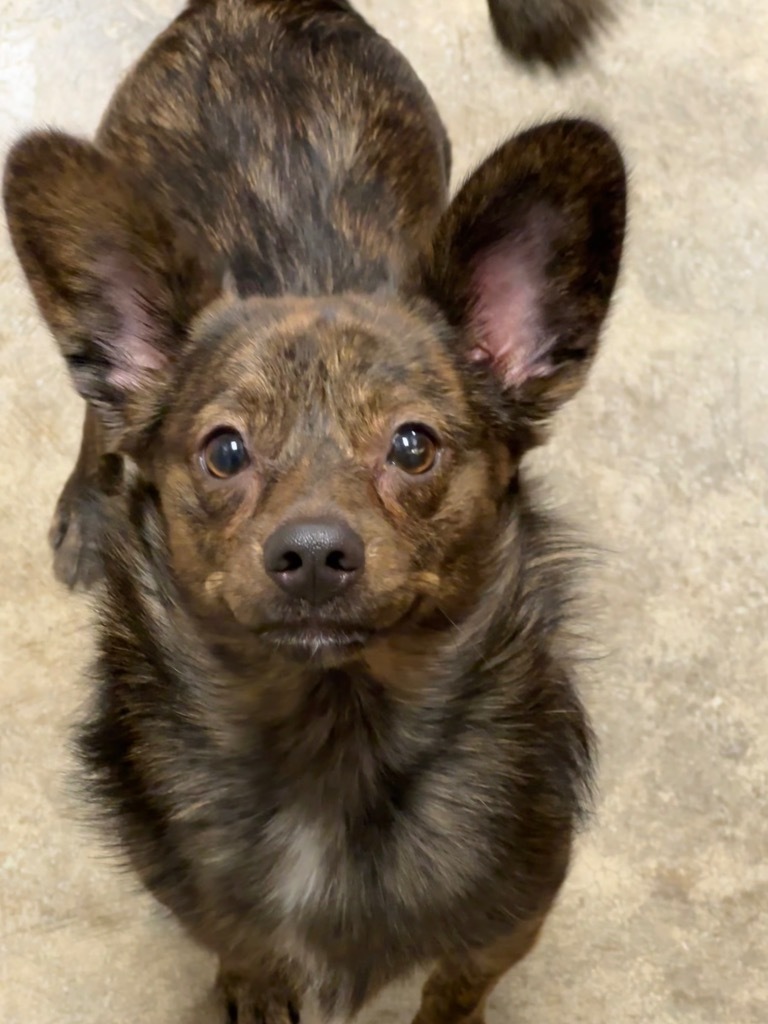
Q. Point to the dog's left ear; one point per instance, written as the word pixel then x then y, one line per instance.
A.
pixel 525 259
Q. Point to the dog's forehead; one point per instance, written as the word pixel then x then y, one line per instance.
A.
pixel 350 355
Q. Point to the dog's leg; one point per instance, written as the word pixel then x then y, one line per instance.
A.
pixel 76 528
pixel 457 989
pixel 265 995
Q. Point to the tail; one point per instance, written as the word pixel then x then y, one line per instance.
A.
pixel 554 32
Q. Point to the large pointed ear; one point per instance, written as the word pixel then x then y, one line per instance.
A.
pixel 525 260
pixel 110 276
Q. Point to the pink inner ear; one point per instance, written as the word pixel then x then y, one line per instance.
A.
pixel 136 347
pixel 506 321
pixel 136 358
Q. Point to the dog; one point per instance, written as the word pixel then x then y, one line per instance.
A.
pixel 336 731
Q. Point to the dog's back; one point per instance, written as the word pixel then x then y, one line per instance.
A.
pixel 298 173
pixel 277 131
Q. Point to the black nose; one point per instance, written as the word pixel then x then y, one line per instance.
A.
pixel 314 559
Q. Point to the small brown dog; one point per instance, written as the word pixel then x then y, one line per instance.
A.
pixel 336 726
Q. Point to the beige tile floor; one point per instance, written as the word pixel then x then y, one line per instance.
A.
pixel 663 459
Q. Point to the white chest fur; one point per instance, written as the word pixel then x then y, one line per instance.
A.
pixel 303 874
pixel 432 855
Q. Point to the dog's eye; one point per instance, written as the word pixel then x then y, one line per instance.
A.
pixel 414 449
pixel 225 454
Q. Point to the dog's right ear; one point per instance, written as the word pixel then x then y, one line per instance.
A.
pixel 109 275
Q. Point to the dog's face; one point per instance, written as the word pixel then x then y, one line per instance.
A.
pixel 329 469
pixel 323 474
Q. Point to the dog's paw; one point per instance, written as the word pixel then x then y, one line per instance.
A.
pixel 249 1003
pixel 76 529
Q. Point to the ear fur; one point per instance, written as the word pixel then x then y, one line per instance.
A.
pixel 524 261
pixel 112 279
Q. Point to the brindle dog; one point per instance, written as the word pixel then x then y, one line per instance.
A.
pixel 336 725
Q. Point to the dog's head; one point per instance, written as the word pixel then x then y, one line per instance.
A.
pixel 329 469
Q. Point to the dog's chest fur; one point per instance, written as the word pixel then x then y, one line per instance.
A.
pixel 366 809
pixel 369 837
pixel 326 865
pixel 306 874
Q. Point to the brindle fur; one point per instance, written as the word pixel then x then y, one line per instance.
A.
pixel 260 238
pixel 553 32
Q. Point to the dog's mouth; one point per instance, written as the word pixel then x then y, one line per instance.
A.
pixel 308 640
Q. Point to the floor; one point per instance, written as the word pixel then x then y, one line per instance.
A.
pixel 663 460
